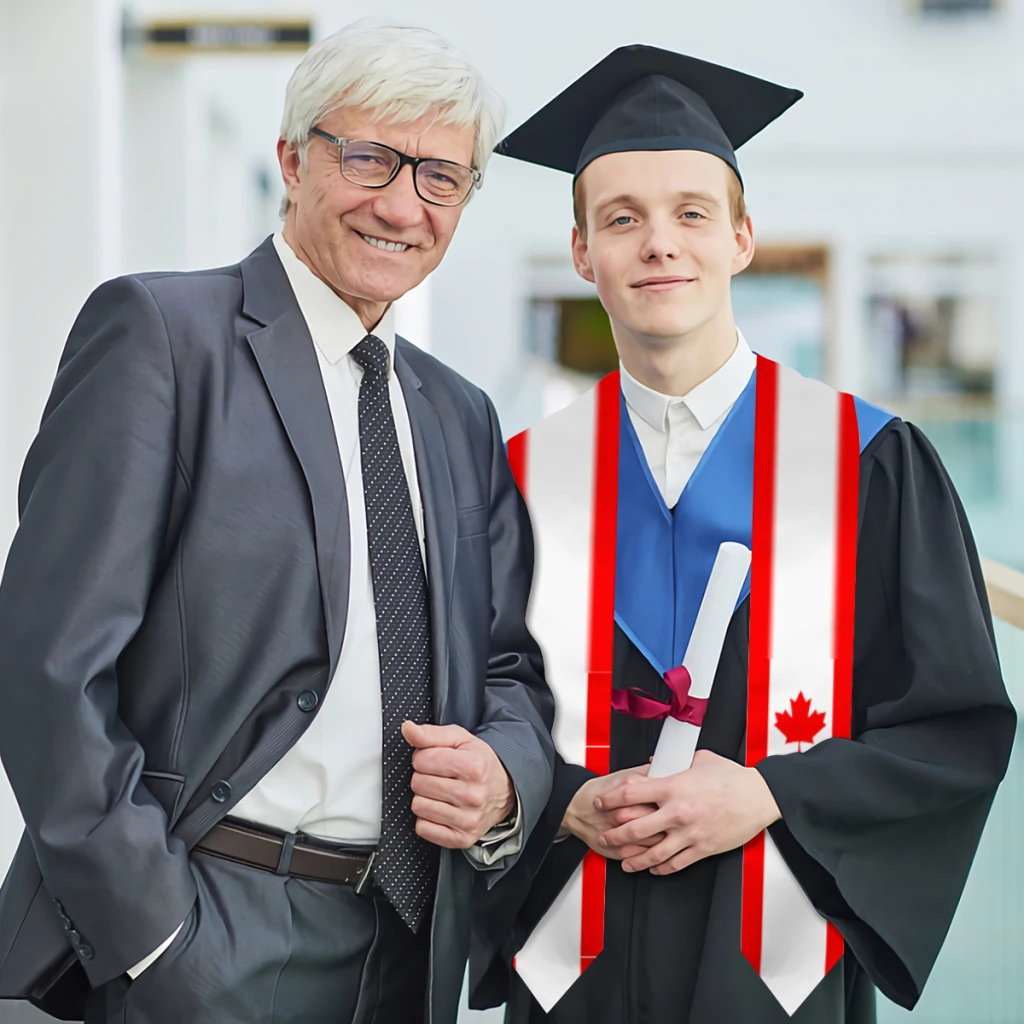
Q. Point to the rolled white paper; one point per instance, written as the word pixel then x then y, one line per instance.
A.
pixel 678 740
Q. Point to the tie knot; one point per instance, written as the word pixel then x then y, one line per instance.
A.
pixel 372 355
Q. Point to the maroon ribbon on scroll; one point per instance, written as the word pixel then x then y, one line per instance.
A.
pixel 638 704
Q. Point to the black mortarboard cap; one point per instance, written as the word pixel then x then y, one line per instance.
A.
pixel 645 98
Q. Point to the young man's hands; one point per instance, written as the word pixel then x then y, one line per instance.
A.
pixel 714 806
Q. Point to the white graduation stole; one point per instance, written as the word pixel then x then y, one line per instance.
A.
pixel 806 466
pixel 567 467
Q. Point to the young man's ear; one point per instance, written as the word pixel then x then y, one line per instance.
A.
pixel 744 246
pixel 581 256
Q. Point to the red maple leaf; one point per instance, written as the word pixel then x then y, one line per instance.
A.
pixel 799 725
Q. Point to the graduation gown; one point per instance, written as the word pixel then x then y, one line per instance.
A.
pixel 880 830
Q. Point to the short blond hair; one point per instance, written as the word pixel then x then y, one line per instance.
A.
pixel 737 204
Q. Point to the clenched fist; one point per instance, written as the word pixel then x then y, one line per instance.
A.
pixel 461 789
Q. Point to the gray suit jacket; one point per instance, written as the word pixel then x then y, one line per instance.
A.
pixel 180 576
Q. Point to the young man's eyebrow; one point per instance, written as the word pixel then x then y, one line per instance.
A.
pixel 625 199
pixel 701 197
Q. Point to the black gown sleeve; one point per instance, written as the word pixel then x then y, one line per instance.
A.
pixel 881 829
pixel 505 915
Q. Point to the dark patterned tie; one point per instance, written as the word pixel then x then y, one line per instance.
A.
pixel 406 866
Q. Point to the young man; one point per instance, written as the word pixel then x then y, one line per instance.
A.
pixel 857 714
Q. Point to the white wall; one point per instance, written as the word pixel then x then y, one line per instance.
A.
pixel 196 133
pixel 906 135
pixel 61 169
pixel 7 518
pixel 9 820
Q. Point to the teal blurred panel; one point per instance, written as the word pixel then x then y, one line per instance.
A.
pixel 979 976
pixel 782 316
pixel 985 460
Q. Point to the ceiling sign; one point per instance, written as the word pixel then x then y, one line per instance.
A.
pixel 955 7
pixel 220 35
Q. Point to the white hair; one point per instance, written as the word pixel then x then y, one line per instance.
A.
pixel 394 73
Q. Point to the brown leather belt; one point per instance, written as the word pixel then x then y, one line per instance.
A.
pixel 284 855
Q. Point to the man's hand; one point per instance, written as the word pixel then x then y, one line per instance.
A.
pixel 714 806
pixel 585 820
pixel 461 787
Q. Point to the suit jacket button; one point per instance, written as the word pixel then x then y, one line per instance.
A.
pixel 85 952
pixel 76 939
pixel 221 792
pixel 308 700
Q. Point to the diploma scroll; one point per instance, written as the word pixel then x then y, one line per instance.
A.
pixel 678 740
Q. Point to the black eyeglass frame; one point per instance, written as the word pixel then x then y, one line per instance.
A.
pixel 403 159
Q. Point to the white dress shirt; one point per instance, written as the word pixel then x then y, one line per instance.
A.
pixel 328 785
pixel 675 432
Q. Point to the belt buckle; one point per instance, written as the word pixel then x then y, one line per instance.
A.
pixel 365 874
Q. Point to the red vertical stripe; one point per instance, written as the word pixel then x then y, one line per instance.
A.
pixel 762 540
pixel 592 918
pixel 834 947
pixel 602 617
pixel 752 907
pixel 602 583
pixel 517 459
pixel 848 486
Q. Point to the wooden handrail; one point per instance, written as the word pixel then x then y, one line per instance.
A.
pixel 1005 591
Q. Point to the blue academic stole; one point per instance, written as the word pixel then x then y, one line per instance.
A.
pixel 664 556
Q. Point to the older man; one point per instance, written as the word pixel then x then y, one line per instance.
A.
pixel 265 706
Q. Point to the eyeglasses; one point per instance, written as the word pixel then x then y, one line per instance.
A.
pixel 374 165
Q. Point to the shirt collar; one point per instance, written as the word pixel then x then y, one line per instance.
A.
pixel 333 324
pixel 708 401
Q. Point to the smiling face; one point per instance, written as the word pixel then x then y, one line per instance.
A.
pixel 660 242
pixel 371 245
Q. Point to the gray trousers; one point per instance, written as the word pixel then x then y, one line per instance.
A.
pixel 261 948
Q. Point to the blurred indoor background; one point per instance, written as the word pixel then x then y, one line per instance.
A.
pixel 888 209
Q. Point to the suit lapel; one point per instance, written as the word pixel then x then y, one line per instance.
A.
pixel 287 360
pixel 439 517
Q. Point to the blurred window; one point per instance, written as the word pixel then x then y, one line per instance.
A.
pixel 932 326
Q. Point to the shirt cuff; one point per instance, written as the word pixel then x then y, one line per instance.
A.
pixel 134 972
pixel 515 828
pixel 499 842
